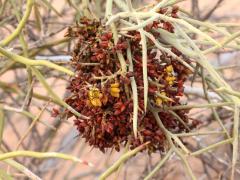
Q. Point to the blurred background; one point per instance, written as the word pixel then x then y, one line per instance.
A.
pixel 23 98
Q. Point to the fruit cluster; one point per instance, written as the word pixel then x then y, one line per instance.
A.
pixel 101 91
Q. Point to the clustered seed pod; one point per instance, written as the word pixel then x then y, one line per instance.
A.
pixel 100 91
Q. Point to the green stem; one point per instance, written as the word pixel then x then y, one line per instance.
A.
pixel 212 147
pixel 23 137
pixel 199 106
pixel 199 133
pixel 153 16
pixel 143 42
pixel 31 62
pixel 185 162
pixel 121 160
pixel 170 138
pixel 229 91
pixel 235 143
pixel 13 88
pixel 224 43
pixel 27 114
pixel 215 114
pixel 120 55
pixel 22 169
pixel 40 155
pixel 144 67
pixel 170 135
pixel 208 25
pixel 2 122
pixel 134 92
pixel 20 26
pixel 54 95
pixel 159 165
pixel 221 83
pixel 108 11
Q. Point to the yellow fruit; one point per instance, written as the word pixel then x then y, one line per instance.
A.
pixel 169 69
pixel 158 101
pixel 99 103
pixel 115 85
pixel 115 90
pixel 94 96
pixel 115 94
pixel 94 93
pixel 170 79
pixel 96 102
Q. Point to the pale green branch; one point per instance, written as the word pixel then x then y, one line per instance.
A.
pixel 20 26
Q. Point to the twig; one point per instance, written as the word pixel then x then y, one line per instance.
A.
pixel 121 160
pixel 200 106
pixel 134 92
pixel 210 12
pixel 20 26
pixel 212 147
pixel 55 96
pixel 30 127
pixel 41 155
pixel 159 165
pixel 31 62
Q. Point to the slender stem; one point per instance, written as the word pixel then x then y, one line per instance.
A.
pixel 235 143
pixel 221 83
pixel 40 155
pixel 134 92
pixel 180 120
pixel 208 25
pixel 144 68
pixel 108 11
pixel 121 160
pixel 159 165
pixel 200 106
pixel 215 114
pixel 121 4
pixel 153 16
pixel 120 55
pixel 143 42
pixel 31 62
pixel 170 136
pixel 30 127
pixel 199 133
pixel 229 91
pixel 27 114
pixel 20 26
pixel 159 5
pixel 54 95
pixel 185 162
pixel 224 43
pixel 227 141
pixel 2 122
pixel 22 169
pixel 158 45
pixel 13 88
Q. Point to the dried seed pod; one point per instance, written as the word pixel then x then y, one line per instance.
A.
pixel 109 103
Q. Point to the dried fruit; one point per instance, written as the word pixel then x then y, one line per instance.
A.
pixel 109 102
pixel 114 90
pixel 94 96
